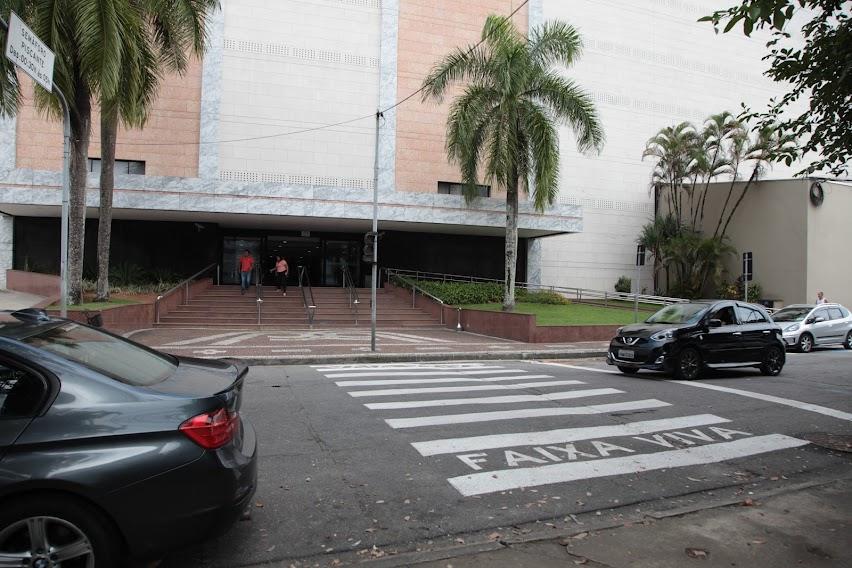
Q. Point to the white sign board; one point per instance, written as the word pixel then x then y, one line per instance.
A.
pixel 29 53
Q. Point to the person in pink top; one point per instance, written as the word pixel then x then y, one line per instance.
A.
pixel 281 269
pixel 245 264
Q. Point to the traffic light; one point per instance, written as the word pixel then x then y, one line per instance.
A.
pixel 369 247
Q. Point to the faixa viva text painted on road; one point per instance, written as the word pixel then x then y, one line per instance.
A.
pixel 592 449
pixel 29 53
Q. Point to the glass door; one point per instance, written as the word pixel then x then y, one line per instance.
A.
pixel 232 249
pixel 337 255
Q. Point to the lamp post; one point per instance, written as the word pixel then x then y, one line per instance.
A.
pixel 640 261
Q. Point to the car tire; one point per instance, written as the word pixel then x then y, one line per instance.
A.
pixel 688 366
pixel 627 370
pixel 806 343
pixel 70 526
pixel 773 362
pixel 848 343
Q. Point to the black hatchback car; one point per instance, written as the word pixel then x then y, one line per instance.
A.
pixel 110 450
pixel 686 338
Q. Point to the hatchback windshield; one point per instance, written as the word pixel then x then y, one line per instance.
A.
pixel 791 314
pixel 679 313
pixel 116 357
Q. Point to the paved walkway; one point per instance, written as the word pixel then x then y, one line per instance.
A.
pixel 349 344
pixel 12 300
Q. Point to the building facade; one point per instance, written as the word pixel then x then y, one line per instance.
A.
pixel 271 143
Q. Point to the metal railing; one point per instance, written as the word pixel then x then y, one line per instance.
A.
pixel 182 285
pixel 258 288
pixel 307 294
pixel 351 291
pixel 579 295
pixel 415 288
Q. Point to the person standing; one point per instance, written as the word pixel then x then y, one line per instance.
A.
pixel 245 265
pixel 821 298
pixel 281 270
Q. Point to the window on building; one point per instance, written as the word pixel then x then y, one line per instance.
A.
pixel 134 167
pixel 450 188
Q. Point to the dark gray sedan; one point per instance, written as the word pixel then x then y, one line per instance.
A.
pixel 110 450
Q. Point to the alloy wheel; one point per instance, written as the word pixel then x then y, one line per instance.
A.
pixel 848 344
pixel 689 364
pixel 806 343
pixel 772 362
pixel 45 542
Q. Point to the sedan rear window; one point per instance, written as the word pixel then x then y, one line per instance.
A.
pixel 116 357
pixel 791 314
pixel 679 313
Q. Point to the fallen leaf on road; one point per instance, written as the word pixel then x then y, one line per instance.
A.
pixel 580 536
pixel 696 552
pixel 336 562
pixel 582 560
pixel 774 478
pixel 694 479
pixel 370 530
pixel 495 536
pixel 271 548
pixel 747 502
pixel 758 541
pixel 259 505
pixel 380 501
pixel 406 518
pixel 459 541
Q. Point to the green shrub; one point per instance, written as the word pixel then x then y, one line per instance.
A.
pixel 623 285
pixel 458 293
pixel 541 297
pixel 125 273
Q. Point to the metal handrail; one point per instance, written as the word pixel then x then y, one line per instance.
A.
pixel 183 284
pixel 580 294
pixel 307 294
pixel 258 287
pixel 414 289
pixel 351 290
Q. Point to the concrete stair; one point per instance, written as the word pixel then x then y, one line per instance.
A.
pixel 225 307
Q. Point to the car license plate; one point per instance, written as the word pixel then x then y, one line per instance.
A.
pixel 625 354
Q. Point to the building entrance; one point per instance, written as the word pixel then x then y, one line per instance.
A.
pixel 323 257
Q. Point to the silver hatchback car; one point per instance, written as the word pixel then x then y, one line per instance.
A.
pixel 805 326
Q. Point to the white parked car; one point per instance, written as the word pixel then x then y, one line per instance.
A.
pixel 805 326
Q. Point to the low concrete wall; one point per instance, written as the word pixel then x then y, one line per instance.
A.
pixel 33 283
pixel 518 327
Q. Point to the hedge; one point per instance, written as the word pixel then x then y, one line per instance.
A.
pixel 464 293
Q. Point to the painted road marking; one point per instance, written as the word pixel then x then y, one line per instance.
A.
pixel 467 388
pixel 578 367
pixel 491 399
pixel 205 338
pixel 418 373
pixel 401 366
pixel 444 419
pixel 540 438
pixel 769 398
pixel 237 339
pixel 502 480
pixel 385 382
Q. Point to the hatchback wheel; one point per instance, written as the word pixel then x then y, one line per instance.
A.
pixel 848 343
pixel 773 362
pixel 48 532
pixel 627 370
pixel 688 365
pixel 806 343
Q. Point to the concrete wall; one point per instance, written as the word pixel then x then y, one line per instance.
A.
pixel 829 227
pixel 168 144
pixel 291 65
pixel 772 223
pixel 647 65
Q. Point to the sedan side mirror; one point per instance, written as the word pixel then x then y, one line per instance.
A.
pixel 714 323
pixel 818 319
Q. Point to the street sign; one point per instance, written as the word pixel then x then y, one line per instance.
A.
pixel 29 53
pixel 748 267
pixel 640 255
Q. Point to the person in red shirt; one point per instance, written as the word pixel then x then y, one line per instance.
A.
pixel 245 264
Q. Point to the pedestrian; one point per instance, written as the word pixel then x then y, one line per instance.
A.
pixel 245 265
pixel 281 269
pixel 821 298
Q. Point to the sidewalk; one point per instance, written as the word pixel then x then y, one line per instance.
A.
pixel 12 300
pixel 810 527
pixel 349 345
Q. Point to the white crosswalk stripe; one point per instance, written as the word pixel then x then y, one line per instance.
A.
pixel 549 455
pixel 467 388
pixel 491 399
pixel 388 382
pixel 523 413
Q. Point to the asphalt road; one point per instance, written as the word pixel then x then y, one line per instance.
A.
pixel 350 461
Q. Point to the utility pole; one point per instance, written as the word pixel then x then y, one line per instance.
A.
pixel 640 261
pixel 375 259
pixel 18 47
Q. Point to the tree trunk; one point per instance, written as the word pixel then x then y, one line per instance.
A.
pixel 511 246
pixel 740 200
pixel 109 129
pixel 81 131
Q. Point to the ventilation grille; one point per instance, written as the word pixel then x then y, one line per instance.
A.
pixel 293 179
pixel 304 53
pixel 607 204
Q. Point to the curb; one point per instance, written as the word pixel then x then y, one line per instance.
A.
pixel 421 357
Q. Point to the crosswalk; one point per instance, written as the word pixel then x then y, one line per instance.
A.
pixel 491 433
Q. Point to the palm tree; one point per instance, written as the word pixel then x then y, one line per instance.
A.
pixel 674 147
pixel 86 36
pixel 504 124
pixel 171 32
pixel 654 237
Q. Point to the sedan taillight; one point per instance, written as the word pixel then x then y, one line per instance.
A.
pixel 211 430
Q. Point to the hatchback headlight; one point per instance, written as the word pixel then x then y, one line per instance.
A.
pixel 663 335
pixel 791 328
pixel 619 330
